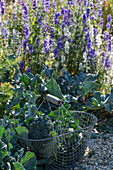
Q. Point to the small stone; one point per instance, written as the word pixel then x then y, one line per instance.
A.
pixel 111 163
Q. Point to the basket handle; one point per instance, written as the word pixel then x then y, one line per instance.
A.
pixel 53 99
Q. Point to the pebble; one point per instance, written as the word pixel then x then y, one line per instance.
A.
pixel 102 154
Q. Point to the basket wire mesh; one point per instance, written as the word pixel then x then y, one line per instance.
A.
pixel 66 149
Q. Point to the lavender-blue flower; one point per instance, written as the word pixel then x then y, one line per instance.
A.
pixel 101 22
pixel 62 11
pixel 107 63
pixel 85 2
pixel 28 70
pixel 100 13
pixel 84 18
pixel 45 43
pixel 30 49
pixel 95 31
pixel 88 12
pixel 108 26
pixel 63 25
pixel 21 65
pixel 109 45
pixel 4 32
pixel 26 31
pixel 109 18
pixel 34 5
pixel 2 7
pixel 55 53
pixel 24 44
pixel 92 17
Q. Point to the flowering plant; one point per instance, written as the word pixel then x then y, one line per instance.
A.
pixel 67 33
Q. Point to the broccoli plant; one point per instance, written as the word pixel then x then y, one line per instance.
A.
pixel 41 128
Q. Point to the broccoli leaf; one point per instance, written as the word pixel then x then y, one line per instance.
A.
pixel 29 161
pixel 1 131
pixel 18 166
pixel 54 88
pixel 22 131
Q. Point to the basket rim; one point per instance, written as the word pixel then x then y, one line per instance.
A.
pixel 57 136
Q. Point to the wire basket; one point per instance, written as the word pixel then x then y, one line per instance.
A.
pixel 66 149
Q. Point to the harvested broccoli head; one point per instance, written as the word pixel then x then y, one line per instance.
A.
pixel 40 128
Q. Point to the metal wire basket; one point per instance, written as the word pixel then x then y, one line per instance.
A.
pixel 66 149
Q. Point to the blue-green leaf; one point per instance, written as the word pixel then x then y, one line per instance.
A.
pixel 97 96
pixel 18 166
pixel 87 86
pixel 17 74
pixel 54 89
pixel 25 79
pixel 29 161
pixel 22 131
pixel 1 131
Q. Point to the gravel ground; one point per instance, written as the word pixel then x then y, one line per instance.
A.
pixel 99 154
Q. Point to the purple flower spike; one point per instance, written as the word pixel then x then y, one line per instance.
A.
pixel 30 49
pixel 103 54
pixel 25 11
pixel 109 45
pixel 22 65
pixel 26 31
pixel 4 31
pixel 50 42
pixel 109 18
pixel 101 22
pixel 91 4
pixel 63 25
pixel 55 53
pixel 88 12
pixel 85 2
pixel 103 57
pixel 108 26
pixel 108 63
pixel 95 31
pixel 70 2
pixel 92 17
pixel 14 16
pixel 62 11
pixel 2 7
pixel 34 5
pixel 100 13
pixel 84 18
pixel 24 44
